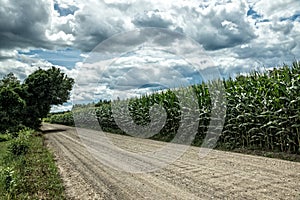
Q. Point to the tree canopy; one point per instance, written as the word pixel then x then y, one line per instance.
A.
pixel 27 103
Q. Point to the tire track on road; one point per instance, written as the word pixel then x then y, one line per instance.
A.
pixel 219 175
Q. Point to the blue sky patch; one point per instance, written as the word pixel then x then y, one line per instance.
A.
pixel 295 17
pixel 65 11
pixel 66 57
pixel 253 13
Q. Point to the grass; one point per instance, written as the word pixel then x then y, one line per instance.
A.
pixel 33 175
pixel 3 149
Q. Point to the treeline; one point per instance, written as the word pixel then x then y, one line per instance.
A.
pixel 65 118
pixel 25 104
pixel 263 111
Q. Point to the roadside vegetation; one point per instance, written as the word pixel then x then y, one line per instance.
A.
pixel 64 118
pixel 263 113
pixel 27 168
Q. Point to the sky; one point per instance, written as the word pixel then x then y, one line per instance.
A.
pixel 237 35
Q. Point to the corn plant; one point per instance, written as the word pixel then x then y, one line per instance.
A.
pixel 263 111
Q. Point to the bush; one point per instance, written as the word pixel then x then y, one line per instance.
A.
pixel 14 131
pixel 20 145
pixel 65 118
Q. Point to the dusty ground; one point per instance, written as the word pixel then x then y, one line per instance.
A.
pixel 219 175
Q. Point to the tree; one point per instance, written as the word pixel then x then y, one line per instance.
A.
pixel 25 104
pixel 10 80
pixel 11 103
pixel 44 88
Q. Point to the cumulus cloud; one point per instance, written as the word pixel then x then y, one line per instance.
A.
pixel 277 9
pixel 214 25
pixel 152 19
pixel 8 54
pixel 129 75
pixel 23 65
pixel 22 23
pixel 31 24
pixel 239 35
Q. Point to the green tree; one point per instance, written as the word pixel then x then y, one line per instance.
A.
pixel 44 88
pixel 10 80
pixel 11 103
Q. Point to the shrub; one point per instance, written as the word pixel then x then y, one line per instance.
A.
pixel 20 145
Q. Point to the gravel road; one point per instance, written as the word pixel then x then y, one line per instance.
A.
pixel 219 175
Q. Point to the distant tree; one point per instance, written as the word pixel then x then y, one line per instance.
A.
pixel 44 88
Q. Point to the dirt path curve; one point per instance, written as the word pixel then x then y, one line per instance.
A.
pixel 220 175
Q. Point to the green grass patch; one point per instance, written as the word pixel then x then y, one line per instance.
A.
pixel 4 137
pixel 29 175
pixel 3 149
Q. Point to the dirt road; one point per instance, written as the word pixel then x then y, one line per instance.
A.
pixel 219 175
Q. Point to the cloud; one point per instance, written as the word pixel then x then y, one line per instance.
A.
pixel 22 23
pixel 23 65
pixel 62 57
pixel 20 69
pixel 83 25
pixel 214 25
pixel 152 19
pixel 8 54
pixel 26 25
pixel 217 25
pixel 276 9
pixel 126 76
pixel 60 108
pixel 238 35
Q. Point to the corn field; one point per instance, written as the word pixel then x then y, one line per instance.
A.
pixel 263 111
